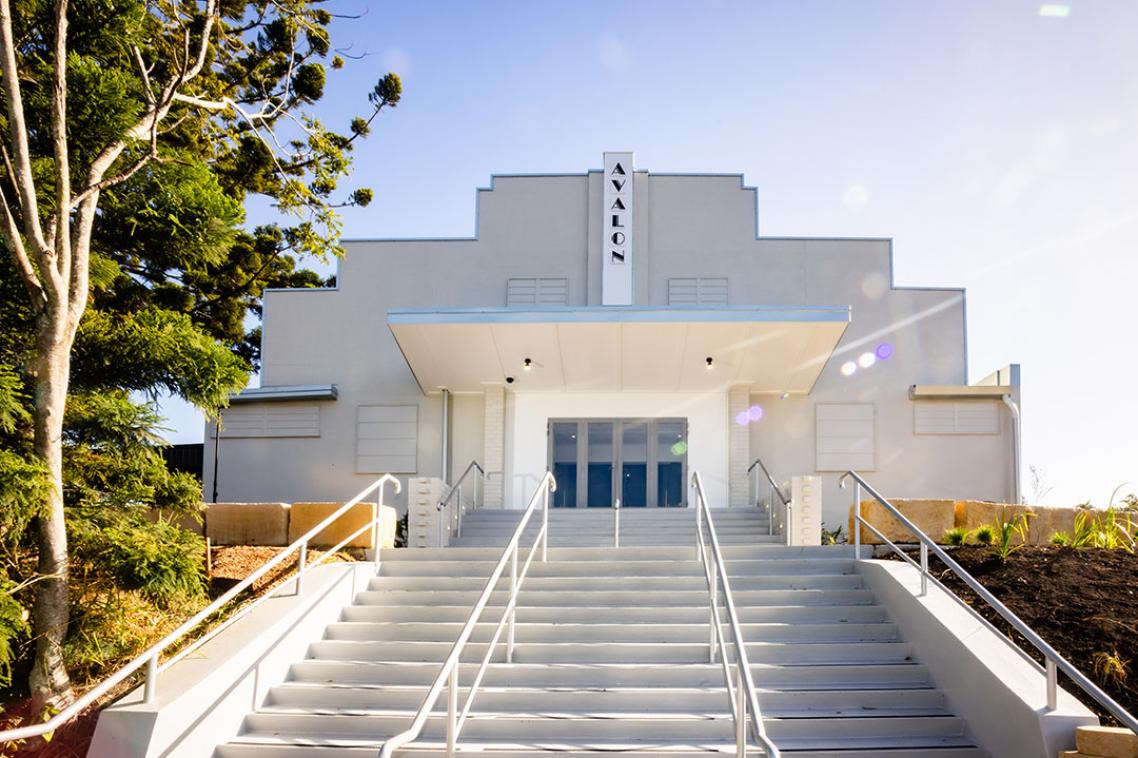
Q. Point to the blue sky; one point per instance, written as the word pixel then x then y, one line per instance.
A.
pixel 997 146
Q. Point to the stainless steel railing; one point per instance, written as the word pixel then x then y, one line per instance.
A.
pixel 772 490
pixel 150 658
pixel 453 517
pixel 741 692
pixel 1053 661
pixel 448 674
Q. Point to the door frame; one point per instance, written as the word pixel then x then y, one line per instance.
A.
pixel 618 453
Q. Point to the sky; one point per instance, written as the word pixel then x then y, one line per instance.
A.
pixel 995 141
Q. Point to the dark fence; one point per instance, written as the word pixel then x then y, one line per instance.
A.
pixel 187 458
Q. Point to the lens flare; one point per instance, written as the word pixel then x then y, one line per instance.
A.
pixel 884 351
pixel 784 396
pixel 679 448
pixel 865 360
pixel 848 368
pixel 755 412
pixel 742 418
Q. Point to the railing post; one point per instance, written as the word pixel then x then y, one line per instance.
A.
pixel 513 605
pixel 303 559
pixel 151 679
pixel 545 524
pixel 375 526
pixel 714 618
pixel 924 569
pixel 452 711
pixel 1052 685
pixel 770 506
pixel 740 709
pixel 616 523
pixel 857 521
pixel 461 513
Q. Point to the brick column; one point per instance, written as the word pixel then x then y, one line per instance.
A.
pixel 493 445
pixel 738 446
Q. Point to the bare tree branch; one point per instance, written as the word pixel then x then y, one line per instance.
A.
pixel 22 176
pixel 15 244
pixel 62 243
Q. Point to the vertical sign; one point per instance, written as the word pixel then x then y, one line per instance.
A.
pixel 616 247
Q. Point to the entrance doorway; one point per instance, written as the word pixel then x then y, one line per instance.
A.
pixel 640 461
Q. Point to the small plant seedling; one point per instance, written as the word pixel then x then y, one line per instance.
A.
pixel 985 534
pixel 1061 539
pixel 1011 535
pixel 956 536
pixel 834 537
pixel 1111 667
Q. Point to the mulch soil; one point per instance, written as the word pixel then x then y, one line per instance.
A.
pixel 1082 602
pixel 229 565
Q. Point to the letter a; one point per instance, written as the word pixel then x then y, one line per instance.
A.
pixel 618 170
pixel 618 205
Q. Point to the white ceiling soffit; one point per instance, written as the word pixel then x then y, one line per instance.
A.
pixel 773 348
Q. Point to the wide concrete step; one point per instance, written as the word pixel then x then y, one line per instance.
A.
pixel 542 584
pixel 569 540
pixel 562 631
pixel 617 700
pixel 625 652
pixel 625 553
pixel 603 568
pixel 260 746
pixel 870 731
pixel 788 595
pixel 589 614
pixel 848 676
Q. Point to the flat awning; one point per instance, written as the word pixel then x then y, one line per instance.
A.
pixel 773 348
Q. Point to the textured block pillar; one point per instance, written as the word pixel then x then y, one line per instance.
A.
pixel 738 446
pixel 423 516
pixel 805 527
pixel 493 445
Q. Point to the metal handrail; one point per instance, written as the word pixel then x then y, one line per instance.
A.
pixel 771 487
pixel 455 518
pixel 742 694
pixel 616 523
pixel 1053 661
pixel 150 657
pixel 448 674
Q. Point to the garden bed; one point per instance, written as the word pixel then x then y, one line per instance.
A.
pixel 1083 602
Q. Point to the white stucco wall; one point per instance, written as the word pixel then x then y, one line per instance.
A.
pixel 549 226
pixel 527 414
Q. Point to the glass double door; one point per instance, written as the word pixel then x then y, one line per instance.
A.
pixel 640 461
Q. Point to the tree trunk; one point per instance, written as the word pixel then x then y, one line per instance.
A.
pixel 49 682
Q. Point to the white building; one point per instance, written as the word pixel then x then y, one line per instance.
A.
pixel 620 328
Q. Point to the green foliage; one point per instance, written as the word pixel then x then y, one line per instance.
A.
pixel 13 627
pixel 984 535
pixel 956 536
pixel 164 562
pixel 1011 535
pixel 1112 529
pixel 833 537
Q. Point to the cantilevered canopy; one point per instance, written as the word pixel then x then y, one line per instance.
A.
pixel 774 348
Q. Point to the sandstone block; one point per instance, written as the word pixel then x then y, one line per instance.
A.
pixel 933 517
pixel 247 523
pixel 304 516
pixel 189 522
pixel 1106 741
pixel 1044 522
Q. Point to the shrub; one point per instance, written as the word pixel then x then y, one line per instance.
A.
pixel 1111 667
pixel 1061 539
pixel 985 534
pixel 13 626
pixel 956 537
pixel 161 560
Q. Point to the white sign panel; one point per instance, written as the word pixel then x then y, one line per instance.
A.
pixel 616 247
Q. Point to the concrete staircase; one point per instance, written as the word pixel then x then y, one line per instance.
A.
pixel 612 655
pixel 594 527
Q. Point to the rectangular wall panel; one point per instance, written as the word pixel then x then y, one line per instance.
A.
pixel 387 439
pixel 956 417
pixel 844 437
pixel 271 420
